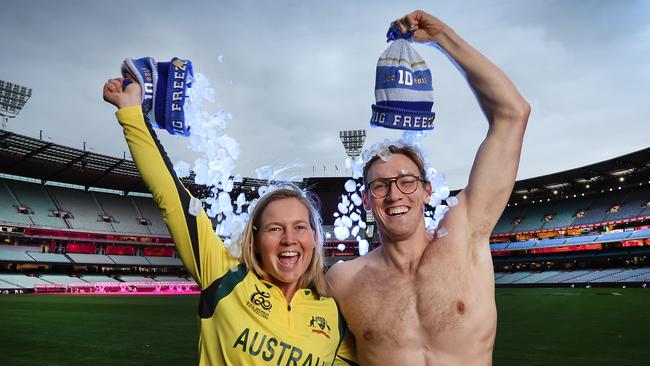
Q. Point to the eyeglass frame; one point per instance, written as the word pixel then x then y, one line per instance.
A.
pixel 392 180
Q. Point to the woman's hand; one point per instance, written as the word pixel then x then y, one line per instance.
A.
pixel 130 96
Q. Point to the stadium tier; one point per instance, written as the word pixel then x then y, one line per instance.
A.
pixel 65 211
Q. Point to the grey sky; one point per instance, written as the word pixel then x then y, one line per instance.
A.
pixel 294 73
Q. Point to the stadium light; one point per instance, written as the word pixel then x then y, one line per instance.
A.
pixel 353 141
pixel 12 99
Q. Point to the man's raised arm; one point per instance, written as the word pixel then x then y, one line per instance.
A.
pixel 495 166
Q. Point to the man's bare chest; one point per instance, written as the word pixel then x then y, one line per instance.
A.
pixel 383 306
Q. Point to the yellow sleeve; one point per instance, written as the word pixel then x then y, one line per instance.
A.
pixel 347 354
pixel 200 249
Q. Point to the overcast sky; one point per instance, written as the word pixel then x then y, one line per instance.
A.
pixel 294 73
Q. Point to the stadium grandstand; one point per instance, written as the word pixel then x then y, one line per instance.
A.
pixel 76 221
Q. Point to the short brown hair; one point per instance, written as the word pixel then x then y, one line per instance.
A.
pixel 409 151
pixel 314 276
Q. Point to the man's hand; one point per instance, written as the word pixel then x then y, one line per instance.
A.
pixel 425 25
pixel 132 94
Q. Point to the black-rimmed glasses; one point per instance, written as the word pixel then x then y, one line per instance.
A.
pixel 406 184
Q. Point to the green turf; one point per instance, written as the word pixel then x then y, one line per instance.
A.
pixel 564 327
pixel 98 330
pixel 554 327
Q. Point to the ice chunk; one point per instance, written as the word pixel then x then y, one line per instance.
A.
pixel 195 207
pixel 452 201
pixel 182 169
pixel 224 203
pixel 440 212
pixel 443 192
pixel 346 221
pixel 264 173
pixel 341 232
pixel 228 185
pixel 343 208
pixel 340 247
pixel 355 230
pixel 348 163
pixel 241 199
pixel 442 232
pixel 328 235
pixel 363 247
pixel 262 190
pixel 362 224
pixel 350 185
pixel 355 216
pixel 383 153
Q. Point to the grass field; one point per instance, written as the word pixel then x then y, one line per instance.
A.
pixel 536 327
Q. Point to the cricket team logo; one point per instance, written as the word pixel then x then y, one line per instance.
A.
pixel 259 303
pixel 319 325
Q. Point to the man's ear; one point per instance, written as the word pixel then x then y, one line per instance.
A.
pixel 427 191
pixel 366 201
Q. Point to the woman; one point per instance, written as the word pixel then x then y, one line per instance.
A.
pixel 265 307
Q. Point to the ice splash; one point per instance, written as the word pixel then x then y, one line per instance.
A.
pixel 440 190
pixel 214 168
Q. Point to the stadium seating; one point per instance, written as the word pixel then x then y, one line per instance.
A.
pixel 631 206
pixel 84 208
pixel 11 255
pixel 21 280
pixel 528 244
pixel 149 210
pixel 132 278
pixel 7 286
pixel 97 278
pixel 549 243
pixel 48 257
pixel 639 234
pixel 565 276
pixel 123 211
pixel 621 276
pixel 90 258
pixel 536 277
pixel 565 211
pixel 583 239
pixel 8 203
pixel 505 225
pixel 533 219
pixel 131 260
pixel 171 279
pixel 498 246
pixel 613 236
pixel 164 261
pixel 59 279
pixel 593 276
pixel 512 277
pixel 38 200
pixel 599 209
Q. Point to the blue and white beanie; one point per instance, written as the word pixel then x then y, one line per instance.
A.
pixel 164 90
pixel 403 89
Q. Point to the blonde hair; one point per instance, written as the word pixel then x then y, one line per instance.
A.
pixel 314 276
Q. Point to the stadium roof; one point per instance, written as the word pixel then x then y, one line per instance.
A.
pixel 625 171
pixel 30 157
pixel 49 162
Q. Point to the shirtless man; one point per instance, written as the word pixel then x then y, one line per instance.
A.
pixel 421 298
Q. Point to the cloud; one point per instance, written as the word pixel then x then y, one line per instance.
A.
pixel 295 73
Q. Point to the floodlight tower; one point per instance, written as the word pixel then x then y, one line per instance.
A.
pixel 353 141
pixel 12 99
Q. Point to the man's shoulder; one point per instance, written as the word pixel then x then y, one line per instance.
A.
pixel 343 272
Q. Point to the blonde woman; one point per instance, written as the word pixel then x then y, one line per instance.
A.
pixel 267 307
